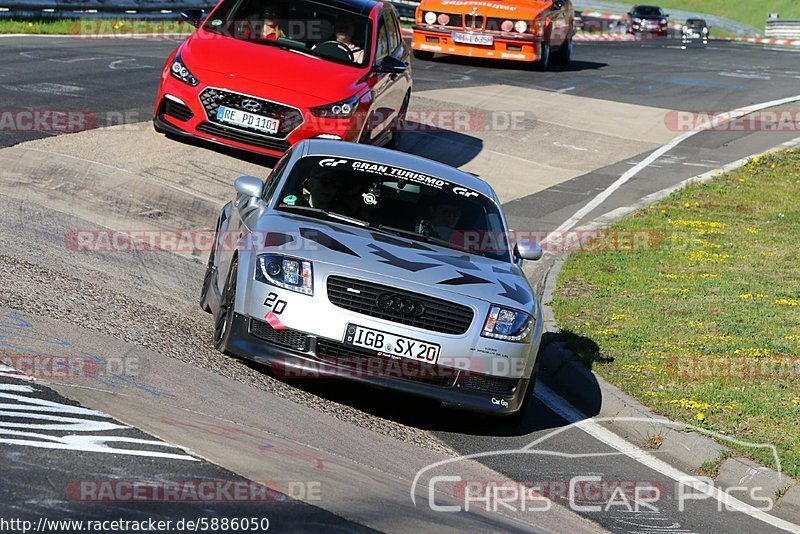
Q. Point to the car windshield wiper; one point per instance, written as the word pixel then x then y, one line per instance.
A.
pixel 326 213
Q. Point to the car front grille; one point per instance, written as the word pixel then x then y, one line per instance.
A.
pixel 177 110
pixel 368 363
pixel 405 307
pixel 290 118
pixel 474 21
pixel 490 384
pixel 243 137
pixel 285 338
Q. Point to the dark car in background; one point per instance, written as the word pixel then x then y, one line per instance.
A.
pixel 650 20
pixel 695 30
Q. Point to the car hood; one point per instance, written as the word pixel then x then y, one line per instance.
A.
pixel 397 261
pixel 268 71
pixel 512 9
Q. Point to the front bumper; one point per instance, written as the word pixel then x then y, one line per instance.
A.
pixel 294 354
pixel 179 111
pixel 505 46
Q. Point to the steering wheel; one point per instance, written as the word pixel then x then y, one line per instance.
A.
pixel 337 49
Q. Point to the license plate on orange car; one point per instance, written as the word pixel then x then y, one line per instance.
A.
pixel 248 120
pixel 473 38
pixel 391 344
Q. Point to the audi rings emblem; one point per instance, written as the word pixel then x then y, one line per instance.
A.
pixel 399 304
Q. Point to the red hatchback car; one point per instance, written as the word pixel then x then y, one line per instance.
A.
pixel 261 75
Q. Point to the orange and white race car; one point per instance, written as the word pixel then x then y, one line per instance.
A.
pixel 534 31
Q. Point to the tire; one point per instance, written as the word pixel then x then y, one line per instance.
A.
pixel 223 319
pixel 544 61
pixel 423 55
pixel 400 124
pixel 210 273
pixel 564 55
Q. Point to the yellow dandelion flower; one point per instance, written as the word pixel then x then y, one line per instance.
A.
pixel 751 230
pixel 787 302
pixel 700 416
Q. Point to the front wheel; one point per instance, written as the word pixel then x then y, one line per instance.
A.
pixel 400 124
pixel 223 320
pixel 564 55
pixel 544 58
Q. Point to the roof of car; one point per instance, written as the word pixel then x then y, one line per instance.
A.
pixel 321 147
pixel 363 7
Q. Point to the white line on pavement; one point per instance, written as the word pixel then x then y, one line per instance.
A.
pixel 578 419
pixel 649 160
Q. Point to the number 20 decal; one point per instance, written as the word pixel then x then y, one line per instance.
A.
pixel 277 305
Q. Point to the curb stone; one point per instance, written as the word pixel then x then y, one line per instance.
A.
pixel 568 375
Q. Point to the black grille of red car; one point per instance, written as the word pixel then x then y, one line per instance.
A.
pixel 399 306
pixel 177 110
pixel 244 137
pixel 290 118
pixel 286 338
pixel 367 363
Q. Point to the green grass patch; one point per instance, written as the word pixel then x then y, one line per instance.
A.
pixel 752 12
pixel 701 320
pixel 104 27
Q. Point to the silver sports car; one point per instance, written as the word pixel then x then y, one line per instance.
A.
pixel 373 265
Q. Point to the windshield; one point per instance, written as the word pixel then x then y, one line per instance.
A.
pixel 648 11
pixel 696 23
pixel 395 200
pixel 320 30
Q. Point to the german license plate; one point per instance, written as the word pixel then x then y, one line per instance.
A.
pixel 391 344
pixel 473 38
pixel 248 120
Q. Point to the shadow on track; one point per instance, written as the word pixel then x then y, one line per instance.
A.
pixel 498 64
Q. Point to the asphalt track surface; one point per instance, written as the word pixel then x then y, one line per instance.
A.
pixel 116 81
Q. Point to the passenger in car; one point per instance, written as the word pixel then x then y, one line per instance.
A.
pixel 271 30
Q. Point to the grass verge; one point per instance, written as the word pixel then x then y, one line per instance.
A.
pixel 104 27
pixel 703 323
pixel 752 12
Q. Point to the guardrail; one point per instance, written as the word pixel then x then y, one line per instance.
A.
pixel 99 8
pixel 129 8
pixel 783 29
pixel 406 9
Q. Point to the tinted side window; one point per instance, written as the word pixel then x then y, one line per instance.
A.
pixel 383 43
pixel 392 32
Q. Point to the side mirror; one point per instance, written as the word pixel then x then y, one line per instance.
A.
pixel 528 250
pixel 193 16
pixel 392 65
pixel 249 186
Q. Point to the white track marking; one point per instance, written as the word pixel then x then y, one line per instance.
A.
pixel 603 435
pixel 649 160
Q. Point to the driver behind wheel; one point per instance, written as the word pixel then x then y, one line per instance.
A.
pixel 344 34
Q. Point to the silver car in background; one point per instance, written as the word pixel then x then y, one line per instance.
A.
pixel 377 266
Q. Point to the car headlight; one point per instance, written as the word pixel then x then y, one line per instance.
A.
pixel 338 110
pixel 179 71
pixel 507 324
pixel 285 272
pixel 430 17
pixel 705 30
pixel 521 26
